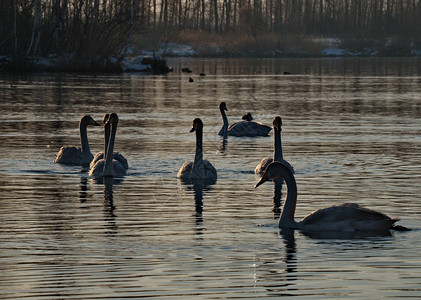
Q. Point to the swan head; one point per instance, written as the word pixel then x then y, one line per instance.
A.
pixel 247 117
pixel 112 119
pixel 88 120
pixel 197 124
pixel 105 118
pixel 274 170
pixel 223 106
pixel 277 123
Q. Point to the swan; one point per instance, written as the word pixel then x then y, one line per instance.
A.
pixel 74 155
pixel 243 128
pixel 116 155
pixel 199 169
pixel 348 217
pixel 277 153
pixel 109 167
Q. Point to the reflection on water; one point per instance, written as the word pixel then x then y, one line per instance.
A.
pixel 351 129
pixel 109 207
pixel 198 187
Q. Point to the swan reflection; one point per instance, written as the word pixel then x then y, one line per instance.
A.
pixel 288 236
pixel 109 207
pixel 224 143
pixel 277 272
pixel 198 187
pixel 83 194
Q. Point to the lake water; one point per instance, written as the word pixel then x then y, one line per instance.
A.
pixel 351 129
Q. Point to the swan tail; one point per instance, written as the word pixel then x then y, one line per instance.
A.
pixel 400 228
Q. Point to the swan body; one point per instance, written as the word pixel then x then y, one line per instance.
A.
pixel 348 217
pixel 109 166
pixel 199 169
pixel 243 128
pixel 73 155
pixel 116 155
pixel 277 153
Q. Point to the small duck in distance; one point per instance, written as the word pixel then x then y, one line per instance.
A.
pixel 348 217
pixel 242 128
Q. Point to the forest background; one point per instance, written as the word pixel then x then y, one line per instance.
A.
pixel 85 29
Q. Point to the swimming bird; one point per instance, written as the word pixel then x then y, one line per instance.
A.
pixel 277 153
pixel 109 167
pixel 199 169
pixel 243 128
pixel 116 155
pixel 186 70
pixel 73 155
pixel 348 217
pixel 247 117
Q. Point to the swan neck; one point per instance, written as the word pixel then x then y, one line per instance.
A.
pixel 224 128
pixel 277 154
pixel 288 210
pixel 106 138
pixel 86 151
pixel 198 157
pixel 108 167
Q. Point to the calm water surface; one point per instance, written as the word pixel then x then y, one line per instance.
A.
pixel 351 129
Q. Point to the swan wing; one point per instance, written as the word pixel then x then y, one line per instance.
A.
pixel 347 217
pixel 185 170
pixel 69 155
pixel 123 161
pixel 261 167
pixel 97 157
pixel 248 128
pixel 97 170
pixel 119 169
pixel 210 171
pixel 116 155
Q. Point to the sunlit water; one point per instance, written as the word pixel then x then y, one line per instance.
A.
pixel 351 129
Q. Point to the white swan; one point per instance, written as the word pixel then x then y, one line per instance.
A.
pixel 277 153
pixel 109 167
pixel 73 155
pixel 199 169
pixel 243 128
pixel 348 217
pixel 116 155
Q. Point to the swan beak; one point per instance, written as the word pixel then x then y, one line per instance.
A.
pixel 262 180
pixel 96 123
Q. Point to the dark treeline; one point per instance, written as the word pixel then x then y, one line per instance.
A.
pixel 104 27
pixel 78 27
pixel 339 18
